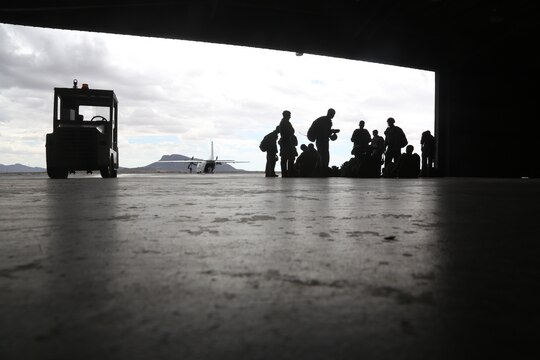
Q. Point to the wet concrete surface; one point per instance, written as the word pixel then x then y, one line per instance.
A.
pixel 247 267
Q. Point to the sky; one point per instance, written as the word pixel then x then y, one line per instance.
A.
pixel 175 96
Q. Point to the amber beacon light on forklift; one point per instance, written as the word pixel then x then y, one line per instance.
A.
pixel 85 132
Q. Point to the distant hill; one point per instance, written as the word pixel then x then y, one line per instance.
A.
pixel 178 167
pixel 150 168
pixel 19 168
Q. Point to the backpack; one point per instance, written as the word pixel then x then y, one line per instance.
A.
pixel 265 143
pixel 314 130
pixel 403 139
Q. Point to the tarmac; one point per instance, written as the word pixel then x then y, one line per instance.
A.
pixel 247 267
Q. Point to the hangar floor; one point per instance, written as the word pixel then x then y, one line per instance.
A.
pixel 247 267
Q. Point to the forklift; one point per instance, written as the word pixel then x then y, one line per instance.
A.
pixel 85 132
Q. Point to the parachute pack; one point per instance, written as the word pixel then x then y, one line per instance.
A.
pixel 265 143
pixel 403 139
pixel 314 130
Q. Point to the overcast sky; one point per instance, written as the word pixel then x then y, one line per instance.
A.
pixel 177 96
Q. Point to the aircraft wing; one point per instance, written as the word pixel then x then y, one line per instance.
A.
pixel 182 161
pixel 201 161
pixel 230 162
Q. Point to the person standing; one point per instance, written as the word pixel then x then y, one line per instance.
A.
pixel 269 145
pixel 287 144
pixel 377 151
pixel 323 133
pixel 395 139
pixel 427 143
pixel 377 145
pixel 361 139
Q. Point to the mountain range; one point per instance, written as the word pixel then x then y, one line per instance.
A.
pixel 150 168
pixel 19 168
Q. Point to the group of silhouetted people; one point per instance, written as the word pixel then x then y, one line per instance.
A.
pixel 311 161
pixel 369 153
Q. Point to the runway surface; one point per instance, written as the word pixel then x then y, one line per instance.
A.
pixel 247 267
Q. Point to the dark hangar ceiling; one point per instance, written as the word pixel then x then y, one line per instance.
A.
pixel 419 33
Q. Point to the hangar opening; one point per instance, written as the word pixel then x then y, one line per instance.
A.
pixel 176 96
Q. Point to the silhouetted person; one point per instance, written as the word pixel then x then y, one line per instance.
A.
pixel 287 144
pixel 323 133
pixel 308 161
pixel 361 139
pixel 314 160
pixel 300 160
pixel 294 154
pixel 395 139
pixel 427 143
pixel 408 165
pixel 377 146
pixel 269 145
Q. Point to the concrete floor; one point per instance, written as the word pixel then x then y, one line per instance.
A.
pixel 247 267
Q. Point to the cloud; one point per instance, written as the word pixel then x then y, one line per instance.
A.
pixel 159 139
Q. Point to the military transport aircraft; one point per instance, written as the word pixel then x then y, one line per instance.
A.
pixel 206 166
